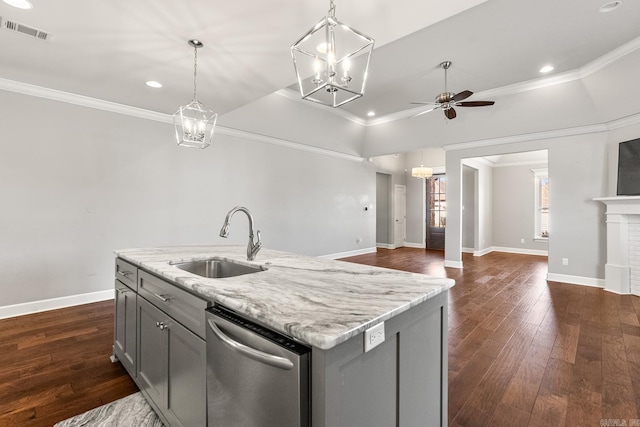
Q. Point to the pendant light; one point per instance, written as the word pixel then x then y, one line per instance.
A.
pixel 194 122
pixel 421 172
pixel 331 61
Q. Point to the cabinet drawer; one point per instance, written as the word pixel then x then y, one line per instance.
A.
pixel 127 273
pixel 184 307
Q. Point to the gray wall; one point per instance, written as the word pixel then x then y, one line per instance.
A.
pixel 394 167
pixel 383 208
pixel 77 183
pixel 468 207
pixel 514 208
pixel 578 171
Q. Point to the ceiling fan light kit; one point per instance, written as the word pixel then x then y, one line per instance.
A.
pixel 331 62
pixel 447 100
pixel 194 123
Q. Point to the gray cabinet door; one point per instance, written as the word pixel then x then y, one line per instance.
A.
pixel 187 378
pixel 152 351
pixel 172 367
pixel 125 331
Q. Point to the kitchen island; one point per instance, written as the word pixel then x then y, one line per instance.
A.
pixel 329 305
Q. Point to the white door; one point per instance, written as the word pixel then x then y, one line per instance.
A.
pixel 399 209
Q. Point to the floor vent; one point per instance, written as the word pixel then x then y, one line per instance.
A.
pixel 7 24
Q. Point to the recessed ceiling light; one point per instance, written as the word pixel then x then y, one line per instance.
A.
pixel 20 4
pixel 546 69
pixel 607 7
pixel 371 113
pixel 154 84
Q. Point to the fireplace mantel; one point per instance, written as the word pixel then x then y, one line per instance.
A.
pixel 622 271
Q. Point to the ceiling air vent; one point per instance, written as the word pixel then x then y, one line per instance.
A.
pixel 24 29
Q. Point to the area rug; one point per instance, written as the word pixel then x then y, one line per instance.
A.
pixel 130 411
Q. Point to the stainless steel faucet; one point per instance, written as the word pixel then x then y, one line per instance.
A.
pixel 252 247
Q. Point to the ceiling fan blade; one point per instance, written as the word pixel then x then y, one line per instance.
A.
pixel 450 113
pixel 424 112
pixel 474 103
pixel 424 103
pixel 462 95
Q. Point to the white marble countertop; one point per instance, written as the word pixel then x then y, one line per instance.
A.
pixel 318 301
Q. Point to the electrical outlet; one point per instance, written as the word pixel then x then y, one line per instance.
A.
pixel 565 261
pixel 373 337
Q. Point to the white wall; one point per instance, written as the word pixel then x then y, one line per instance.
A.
pixel 77 183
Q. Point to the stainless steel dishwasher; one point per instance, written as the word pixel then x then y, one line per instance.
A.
pixel 255 377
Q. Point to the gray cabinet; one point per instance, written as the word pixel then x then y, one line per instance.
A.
pixel 171 366
pixel 125 325
pixel 125 331
pixel 402 382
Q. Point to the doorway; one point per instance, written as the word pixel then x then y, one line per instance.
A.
pixel 436 205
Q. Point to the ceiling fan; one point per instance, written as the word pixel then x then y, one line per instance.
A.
pixel 447 100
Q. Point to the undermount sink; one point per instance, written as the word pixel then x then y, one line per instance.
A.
pixel 216 268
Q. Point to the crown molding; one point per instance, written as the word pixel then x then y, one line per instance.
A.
pixel 609 58
pixel 557 133
pixel 237 133
pixel 534 136
pixel 83 101
pixel 624 122
pixel 99 104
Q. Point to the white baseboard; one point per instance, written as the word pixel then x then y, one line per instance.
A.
pixel 415 245
pixel 385 245
pixel 483 251
pixel 576 280
pixel 349 253
pixel 54 303
pixel 521 251
pixel 467 250
pixel 452 264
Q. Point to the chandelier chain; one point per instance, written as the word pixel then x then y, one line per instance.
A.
pixel 195 70
pixel 332 9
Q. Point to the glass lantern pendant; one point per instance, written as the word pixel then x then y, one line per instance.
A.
pixel 194 123
pixel 332 61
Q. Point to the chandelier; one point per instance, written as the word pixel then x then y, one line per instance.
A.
pixel 421 171
pixel 332 61
pixel 194 123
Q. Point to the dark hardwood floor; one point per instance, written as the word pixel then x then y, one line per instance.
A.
pixel 55 364
pixel 527 352
pixel 522 351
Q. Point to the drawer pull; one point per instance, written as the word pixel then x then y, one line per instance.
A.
pixel 162 298
pixel 122 291
pixel 162 326
pixel 125 273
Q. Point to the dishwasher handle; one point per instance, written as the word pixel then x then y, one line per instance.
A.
pixel 260 356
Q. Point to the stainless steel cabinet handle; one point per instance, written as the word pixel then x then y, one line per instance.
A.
pixel 260 356
pixel 125 273
pixel 162 298
pixel 122 291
